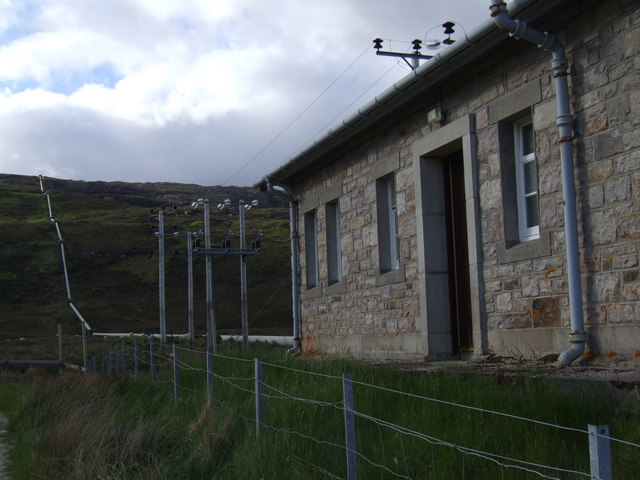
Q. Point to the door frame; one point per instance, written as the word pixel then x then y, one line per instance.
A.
pixel 427 153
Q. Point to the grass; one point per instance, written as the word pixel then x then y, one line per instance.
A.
pixel 107 233
pixel 98 426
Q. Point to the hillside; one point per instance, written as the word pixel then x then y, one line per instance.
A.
pixel 111 251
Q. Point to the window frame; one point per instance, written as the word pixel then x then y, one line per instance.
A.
pixel 334 248
pixel 387 209
pixel 311 249
pixel 521 159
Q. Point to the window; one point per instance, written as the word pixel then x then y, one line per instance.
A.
pixel 387 224
pixel 310 247
pixel 334 254
pixel 526 181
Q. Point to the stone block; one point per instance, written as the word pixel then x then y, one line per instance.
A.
pixel 504 302
pixel 604 288
pixel 546 312
pixel 607 144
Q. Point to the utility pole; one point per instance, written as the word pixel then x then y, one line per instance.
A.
pixel 161 294
pixel 211 321
pixel 190 285
pixel 243 281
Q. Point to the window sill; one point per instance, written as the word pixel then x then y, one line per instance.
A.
pixel 336 288
pixel 393 276
pixel 315 292
pixel 540 247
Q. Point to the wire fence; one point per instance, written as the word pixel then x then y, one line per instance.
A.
pixel 351 425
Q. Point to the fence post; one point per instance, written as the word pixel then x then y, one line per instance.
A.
pixel 94 364
pixel 600 452
pixel 124 359
pixel 152 361
pixel 349 427
pixel 103 363
pixel 259 389
pixel 136 361
pixel 210 374
pixel 110 369
pixel 117 355
pixel 176 374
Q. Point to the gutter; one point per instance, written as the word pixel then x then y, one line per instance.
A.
pixel 295 269
pixel 564 120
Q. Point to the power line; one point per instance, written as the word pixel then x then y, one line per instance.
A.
pixel 252 159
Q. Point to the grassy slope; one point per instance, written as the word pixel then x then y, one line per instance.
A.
pixel 101 427
pixel 113 283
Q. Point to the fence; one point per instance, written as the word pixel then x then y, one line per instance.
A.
pixel 361 440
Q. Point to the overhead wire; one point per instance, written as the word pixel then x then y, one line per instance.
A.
pixel 305 110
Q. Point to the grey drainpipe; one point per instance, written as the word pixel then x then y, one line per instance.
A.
pixel 295 270
pixel 564 120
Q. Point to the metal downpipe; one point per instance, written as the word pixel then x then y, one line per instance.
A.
pixel 564 120
pixel 295 268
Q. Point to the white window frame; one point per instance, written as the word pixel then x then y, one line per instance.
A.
pixel 387 224
pixel 526 232
pixel 311 249
pixel 334 253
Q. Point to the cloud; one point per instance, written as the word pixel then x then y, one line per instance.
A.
pixel 188 91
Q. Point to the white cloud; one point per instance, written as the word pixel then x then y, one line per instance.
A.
pixel 128 89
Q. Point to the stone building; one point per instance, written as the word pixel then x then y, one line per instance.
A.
pixel 432 223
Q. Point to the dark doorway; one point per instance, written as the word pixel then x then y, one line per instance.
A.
pixel 458 254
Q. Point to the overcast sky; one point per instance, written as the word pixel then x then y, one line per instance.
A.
pixel 195 91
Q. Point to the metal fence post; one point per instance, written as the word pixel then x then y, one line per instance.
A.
pixel 259 389
pixel 85 357
pixel 94 364
pixel 152 361
pixel 176 374
pixel 136 361
pixel 110 369
pixel 600 452
pixel 117 355
pixel 124 359
pixel 210 374
pixel 103 362
pixel 349 427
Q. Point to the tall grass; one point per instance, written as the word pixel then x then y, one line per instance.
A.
pixel 96 426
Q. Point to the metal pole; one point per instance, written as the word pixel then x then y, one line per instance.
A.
pixel 136 361
pixel 600 452
pixel 349 427
pixel 211 321
pixel 176 374
pixel 259 389
pixel 117 355
pixel 243 281
pixel 124 359
pixel 190 286
pixel 210 374
pixel 163 318
pixel 60 356
pixel 152 361
pixel 110 369
pixel 84 349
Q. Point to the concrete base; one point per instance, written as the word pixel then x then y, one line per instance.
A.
pixel 391 347
pixel 535 342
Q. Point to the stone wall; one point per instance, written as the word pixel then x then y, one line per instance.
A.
pixel 531 292
pixel 525 287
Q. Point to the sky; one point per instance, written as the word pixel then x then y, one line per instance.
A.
pixel 212 92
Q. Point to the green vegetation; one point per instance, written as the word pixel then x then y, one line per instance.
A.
pixel 98 426
pixel 108 233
